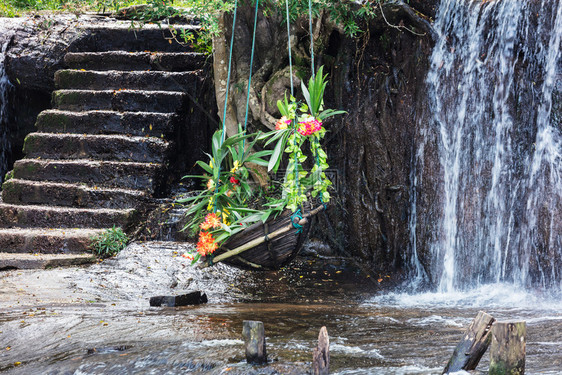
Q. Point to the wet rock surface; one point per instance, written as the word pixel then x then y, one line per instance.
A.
pixel 102 313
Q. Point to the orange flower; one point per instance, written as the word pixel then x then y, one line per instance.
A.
pixel 282 124
pixel 211 221
pixel 206 244
pixel 210 184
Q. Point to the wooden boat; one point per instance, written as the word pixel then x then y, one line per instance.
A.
pixel 268 246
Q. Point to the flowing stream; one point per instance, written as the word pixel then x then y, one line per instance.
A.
pixel 391 334
pixel 494 92
pixel 492 242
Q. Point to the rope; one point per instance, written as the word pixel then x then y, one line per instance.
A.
pixel 229 72
pixel 296 225
pixel 319 171
pixel 313 76
pixel 311 37
pixel 289 47
pixel 223 135
pixel 294 123
pixel 251 65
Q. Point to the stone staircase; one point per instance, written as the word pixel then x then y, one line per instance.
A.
pixel 99 158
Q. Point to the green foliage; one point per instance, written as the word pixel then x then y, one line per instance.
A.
pixel 227 186
pixel 110 242
pixel 9 175
pixel 229 202
pixel 346 13
pixel 298 182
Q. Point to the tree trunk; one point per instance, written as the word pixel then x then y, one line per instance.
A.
pixel 254 342
pixel 321 356
pixel 507 352
pixel 473 345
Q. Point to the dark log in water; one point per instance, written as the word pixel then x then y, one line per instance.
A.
pixel 254 342
pixel 191 298
pixel 473 345
pixel 507 351
pixel 321 356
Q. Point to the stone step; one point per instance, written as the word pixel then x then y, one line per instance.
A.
pixel 97 147
pixel 106 122
pixel 126 175
pixel 135 80
pixel 122 60
pixel 119 36
pixel 43 261
pixel 47 241
pixel 15 191
pixel 19 216
pixel 119 100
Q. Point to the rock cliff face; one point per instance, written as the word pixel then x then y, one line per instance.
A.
pixel 378 78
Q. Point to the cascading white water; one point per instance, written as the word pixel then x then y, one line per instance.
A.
pixel 491 83
pixel 5 86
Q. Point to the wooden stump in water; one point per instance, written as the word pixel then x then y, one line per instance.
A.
pixel 321 356
pixel 507 351
pixel 473 345
pixel 254 342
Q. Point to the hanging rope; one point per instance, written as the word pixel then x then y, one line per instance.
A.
pixel 223 135
pixel 289 47
pixel 251 66
pixel 311 38
pixel 296 161
pixel 229 72
pixel 313 76
pixel 295 219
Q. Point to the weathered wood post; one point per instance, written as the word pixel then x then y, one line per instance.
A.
pixel 507 351
pixel 473 345
pixel 254 342
pixel 321 356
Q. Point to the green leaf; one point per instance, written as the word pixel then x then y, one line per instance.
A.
pixel 265 216
pixel 261 162
pixel 306 95
pixel 196 258
pixel 282 108
pixel 275 159
pixel 206 167
pixel 329 113
pixel 276 135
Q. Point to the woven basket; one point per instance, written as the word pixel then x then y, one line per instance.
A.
pixel 273 253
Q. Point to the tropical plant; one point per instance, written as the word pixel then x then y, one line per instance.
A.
pixel 229 202
pixel 110 242
pixel 297 129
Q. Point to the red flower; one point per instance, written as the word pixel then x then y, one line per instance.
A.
pixel 189 256
pixel 309 126
pixel 234 180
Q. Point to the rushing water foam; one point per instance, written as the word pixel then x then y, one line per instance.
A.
pixel 5 87
pixel 493 75
pixel 491 296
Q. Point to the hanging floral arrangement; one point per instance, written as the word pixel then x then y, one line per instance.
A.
pixel 230 201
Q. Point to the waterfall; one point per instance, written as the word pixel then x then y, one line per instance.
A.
pixel 496 131
pixel 5 87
